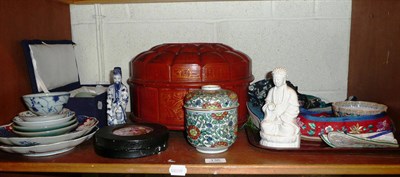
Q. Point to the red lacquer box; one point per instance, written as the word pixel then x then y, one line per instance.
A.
pixel 162 76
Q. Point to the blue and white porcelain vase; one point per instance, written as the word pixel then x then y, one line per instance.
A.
pixel 211 118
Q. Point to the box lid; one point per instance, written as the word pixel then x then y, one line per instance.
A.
pixel 53 62
pixel 180 63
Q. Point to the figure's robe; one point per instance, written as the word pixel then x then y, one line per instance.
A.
pixel 281 121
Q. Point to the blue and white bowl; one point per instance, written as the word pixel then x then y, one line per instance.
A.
pixel 46 103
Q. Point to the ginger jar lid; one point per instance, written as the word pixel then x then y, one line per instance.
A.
pixel 211 97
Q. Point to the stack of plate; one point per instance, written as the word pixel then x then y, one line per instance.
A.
pixel 33 126
pixel 34 135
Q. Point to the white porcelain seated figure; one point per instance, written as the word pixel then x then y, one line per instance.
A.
pixel 279 128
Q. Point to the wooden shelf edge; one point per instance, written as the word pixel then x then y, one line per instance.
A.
pixel 253 169
pixel 66 1
pixel 242 158
pixel 133 1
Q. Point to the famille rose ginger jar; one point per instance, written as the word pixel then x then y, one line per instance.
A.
pixel 162 76
pixel 211 118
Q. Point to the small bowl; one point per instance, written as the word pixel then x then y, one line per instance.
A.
pixel 357 108
pixel 46 103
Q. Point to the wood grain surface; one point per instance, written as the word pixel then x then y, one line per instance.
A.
pixel 374 67
pixel 19 20
pixel 242 158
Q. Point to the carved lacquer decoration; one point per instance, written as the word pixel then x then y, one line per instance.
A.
pixel 172 107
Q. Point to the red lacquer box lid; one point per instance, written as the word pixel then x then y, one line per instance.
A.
pixel 163 75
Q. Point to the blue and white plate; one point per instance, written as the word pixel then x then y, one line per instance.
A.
pixel 29 116
pixel 48 149
pixel 384 139
pixel 8 137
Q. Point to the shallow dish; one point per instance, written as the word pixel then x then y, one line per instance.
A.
pixel 357 108
pixel 48 132
pixel 46 103
pixel 43 127
pixel 48 149
pixel 40 124
pixel 29 116
pixel 383 139
pixel 7 136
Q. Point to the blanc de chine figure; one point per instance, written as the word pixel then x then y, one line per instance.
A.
pixel 279 128
pixel 117 100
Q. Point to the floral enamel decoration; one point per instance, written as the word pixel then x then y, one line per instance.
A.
pixel 356 129
pixel 193 132
pixel 211 118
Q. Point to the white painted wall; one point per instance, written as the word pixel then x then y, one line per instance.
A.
pixel 308 37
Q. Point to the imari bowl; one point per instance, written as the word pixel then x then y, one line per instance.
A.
pixel 211 118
